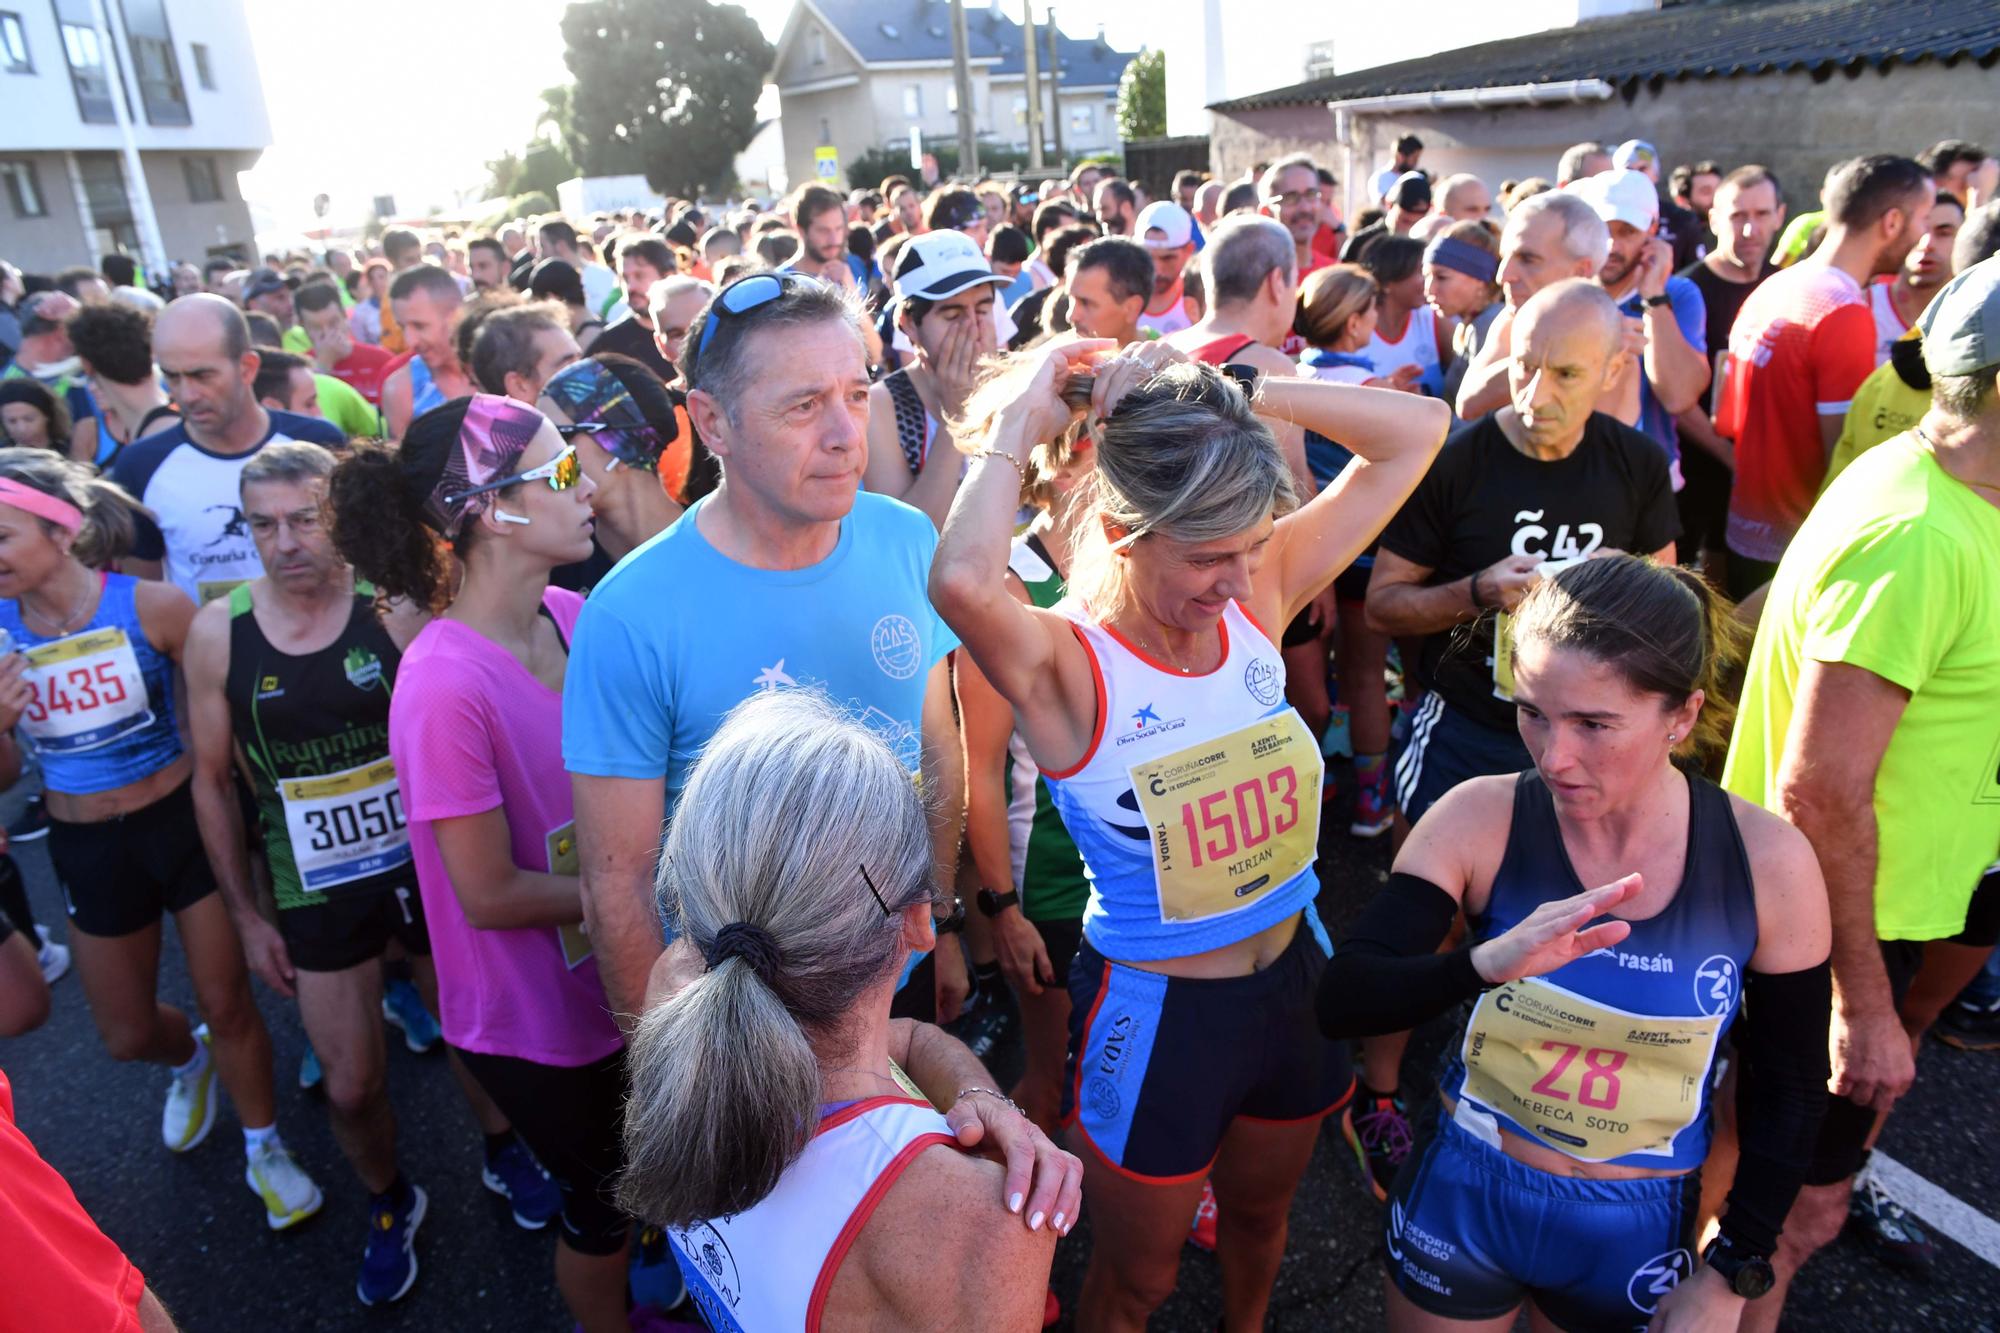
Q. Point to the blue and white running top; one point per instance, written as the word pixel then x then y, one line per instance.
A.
pixel 770 1268
pixel 1196 806
pixel 1609 1057
pixel 424 391
pixel 103 711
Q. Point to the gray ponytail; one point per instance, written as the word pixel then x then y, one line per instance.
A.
pixel 790 800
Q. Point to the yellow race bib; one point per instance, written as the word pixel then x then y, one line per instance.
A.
pixel 1233 817
pixel 563 861
pixel 1587 1079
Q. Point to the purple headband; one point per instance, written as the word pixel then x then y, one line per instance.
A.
pixel 496 432
pixel 1462 257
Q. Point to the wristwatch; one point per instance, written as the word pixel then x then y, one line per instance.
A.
pixel 1655 302
pixel 993 904
pixel 953 922
pixel 1748 1275
pixel 1247 378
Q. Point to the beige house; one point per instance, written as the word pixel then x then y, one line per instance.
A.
pixel 855 76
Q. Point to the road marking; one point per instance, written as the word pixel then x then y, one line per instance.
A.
pixel 1952 1216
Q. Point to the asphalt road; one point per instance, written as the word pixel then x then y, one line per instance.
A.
pixel 198 1234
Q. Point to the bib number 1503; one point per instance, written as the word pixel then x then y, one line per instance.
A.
pixel 1242 818
pixel 365 820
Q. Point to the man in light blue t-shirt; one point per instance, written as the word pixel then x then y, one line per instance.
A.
pixel 786 577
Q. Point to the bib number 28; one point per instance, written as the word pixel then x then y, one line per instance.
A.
pixel 1598 1082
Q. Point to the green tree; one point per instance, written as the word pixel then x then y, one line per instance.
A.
pixel 664 87
pixel 1142 97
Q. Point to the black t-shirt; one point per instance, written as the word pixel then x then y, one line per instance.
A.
pixel 1682 229
pixel 1484 500
pixel 628 337
pixel 1724 298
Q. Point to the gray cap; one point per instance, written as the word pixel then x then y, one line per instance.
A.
pixel 1961 326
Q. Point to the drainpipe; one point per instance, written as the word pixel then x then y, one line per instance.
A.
pixel 1452 99
pixel 153 251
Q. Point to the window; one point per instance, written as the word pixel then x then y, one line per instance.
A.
pixel 154 61
pixel 815 46
pixel 14 45
pixel 86 73
pixel 913 101
pixel 23 191
pixel 1021 112
pixel 1083 119
pixel 203 182
pixel 204 73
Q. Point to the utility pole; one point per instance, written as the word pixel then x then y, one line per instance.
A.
pixel 1055 88
pixel 1032 76
pixel 961 73
pixel 118 59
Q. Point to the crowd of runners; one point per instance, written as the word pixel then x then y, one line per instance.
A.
pixel 723 674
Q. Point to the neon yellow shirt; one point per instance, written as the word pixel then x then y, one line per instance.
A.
pixel 1896 571
pixel 298 342
pixel 342 404
pixel 1881 409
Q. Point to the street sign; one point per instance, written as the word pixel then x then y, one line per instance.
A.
pixel 826 162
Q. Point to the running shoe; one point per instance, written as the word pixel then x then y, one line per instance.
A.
pixel 515 1175
pixel 310 1073
pixel 653 1277
pixel 32 823
pixel 1897 1234
pixel 1970 1026
pixel 1374 807
pixel 289 1195
pixel 404 1009
pixel 53 957
pixel 983 1027
pixel 1201 1232
pixel 389 1264
pixel 190 1112
pixel 1378 1129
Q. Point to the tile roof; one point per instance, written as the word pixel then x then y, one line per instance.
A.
pixel 1695 40
pixel 888 30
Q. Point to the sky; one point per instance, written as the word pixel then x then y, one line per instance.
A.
pixel 426 140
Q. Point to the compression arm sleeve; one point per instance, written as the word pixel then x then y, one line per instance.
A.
pixel 1780 1099
pixel 1387 975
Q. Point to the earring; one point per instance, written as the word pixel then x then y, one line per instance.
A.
pixel 1673 736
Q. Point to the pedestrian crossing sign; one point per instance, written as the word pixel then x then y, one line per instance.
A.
pixel 826 162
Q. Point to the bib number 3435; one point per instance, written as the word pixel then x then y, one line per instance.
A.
pixel 88 688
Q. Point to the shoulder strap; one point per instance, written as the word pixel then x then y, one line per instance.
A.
pixel 239 600
pixel 146 422
pixel 910 417
pixel 542 609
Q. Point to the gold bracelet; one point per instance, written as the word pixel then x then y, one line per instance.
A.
pixel 1008 458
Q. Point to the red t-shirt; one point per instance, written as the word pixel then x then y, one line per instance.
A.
pixel 62 1272
pixel 365 368
pixel 1799 349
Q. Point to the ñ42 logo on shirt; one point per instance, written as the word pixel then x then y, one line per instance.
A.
pixel 1532 537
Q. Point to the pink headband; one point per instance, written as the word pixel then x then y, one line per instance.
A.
pixel 495 433
pixel 41 504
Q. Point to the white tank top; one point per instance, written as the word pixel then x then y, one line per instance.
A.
pixel 770 1269
pixel 1196 807
pixel 1173 320
pixel 1417 347
pixel 1889 325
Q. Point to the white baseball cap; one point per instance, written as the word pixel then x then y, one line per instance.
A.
pixel 1620 196
pixel 1164 215
pixel 939 264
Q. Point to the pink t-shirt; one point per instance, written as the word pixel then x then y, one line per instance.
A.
pixel 471 730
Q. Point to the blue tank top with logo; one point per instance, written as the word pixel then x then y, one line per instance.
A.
pixel 102 715
pixel 424 391
pixel 1610 1058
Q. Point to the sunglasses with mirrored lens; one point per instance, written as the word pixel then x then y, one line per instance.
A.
pixel 740 298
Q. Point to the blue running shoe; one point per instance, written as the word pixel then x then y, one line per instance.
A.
pixel 404 1008
pixel 310 1073
pixel 515 1175
pixel 389 1264
pixel 655 1279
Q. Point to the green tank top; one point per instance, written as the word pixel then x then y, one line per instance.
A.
pixel 315 730
pixel 1048 870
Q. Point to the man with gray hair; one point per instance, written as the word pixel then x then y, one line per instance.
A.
pixel 1548 237
pixel 675 303
pixel 1292 194
pixel 787 576
pixel 1582 160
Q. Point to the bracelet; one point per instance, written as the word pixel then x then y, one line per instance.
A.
pixel 1008 458
pixel 998 1096
pixel 1472 587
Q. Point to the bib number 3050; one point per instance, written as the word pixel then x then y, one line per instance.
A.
pixel 345 826
pixel 1232 818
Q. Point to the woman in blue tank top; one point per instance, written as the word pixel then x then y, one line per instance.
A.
pixel 89 676
pixel 1152 701
pixel 1561 1164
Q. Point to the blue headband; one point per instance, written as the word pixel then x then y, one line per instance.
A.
pixel 1462 256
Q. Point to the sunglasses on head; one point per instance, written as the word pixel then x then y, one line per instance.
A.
pixel 561 473
pixel 741 297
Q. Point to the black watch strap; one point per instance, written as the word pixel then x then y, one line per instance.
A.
pixel 993 904
pixel 952 923
pixel 1748 1274
pixel 1657 301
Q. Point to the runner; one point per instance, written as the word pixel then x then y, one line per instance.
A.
pixel 1407 331
pixel 334 350
pixel 99 651
pixel 621 421
pixel 1572 1183
pixel 1015 834
pixel 1897 301
pixel 426 301
pixel 1189 1033
pixel 474 732
pixel 1462 288
pixel 945 293
pixel 114 345
pixel 187 474
pixel 1167 231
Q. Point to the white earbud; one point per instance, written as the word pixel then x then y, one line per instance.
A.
pixel 503 516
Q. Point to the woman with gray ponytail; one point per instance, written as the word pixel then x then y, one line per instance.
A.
pixel 772 1128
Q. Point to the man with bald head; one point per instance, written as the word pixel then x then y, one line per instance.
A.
pixel 426 301
pixel 187 474
pixel 1544 481
pixel 1464 198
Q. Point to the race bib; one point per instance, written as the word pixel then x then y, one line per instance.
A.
pixel 1233 817
pixel 88 691
pixel 563 861
pixel 207 590
pixel 345 826
pixel 1503 657
pixel 1588 1080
